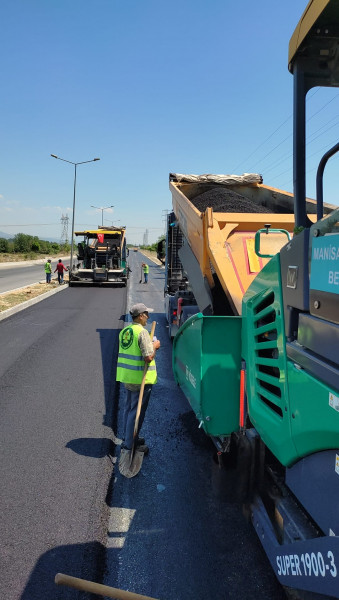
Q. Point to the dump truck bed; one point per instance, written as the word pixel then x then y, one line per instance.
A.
pixel 219 216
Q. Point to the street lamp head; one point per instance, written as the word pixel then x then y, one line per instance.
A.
pixel 74 163
pixel 102 207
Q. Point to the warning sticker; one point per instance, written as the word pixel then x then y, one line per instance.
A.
pixel 337 464
pixel 334 401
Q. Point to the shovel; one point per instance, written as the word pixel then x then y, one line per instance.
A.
pixel 140 274
pixel 97 588
pixel 131 460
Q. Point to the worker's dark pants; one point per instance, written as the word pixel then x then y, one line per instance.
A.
pixel 60 277
pixel 130 411
pixel 146 277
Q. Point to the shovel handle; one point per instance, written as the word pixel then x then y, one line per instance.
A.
pixel 141 393
pixel 97 588
pixel 153 329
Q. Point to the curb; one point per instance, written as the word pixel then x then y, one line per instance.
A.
pixel 11 311
pixel 155 260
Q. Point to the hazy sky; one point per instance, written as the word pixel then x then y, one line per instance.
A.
pixel 150 87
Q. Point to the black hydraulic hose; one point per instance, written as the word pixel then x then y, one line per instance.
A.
pixel 320 173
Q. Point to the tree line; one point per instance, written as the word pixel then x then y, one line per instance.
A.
pixel 153 247
pixel 31 244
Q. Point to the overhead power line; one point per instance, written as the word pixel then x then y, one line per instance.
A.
pixel 262 143
pixel 311 139
pixel 142 228
pixel 271 135
pixel 29 224
pixel 309 97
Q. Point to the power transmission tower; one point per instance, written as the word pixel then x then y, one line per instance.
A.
pixel 64 232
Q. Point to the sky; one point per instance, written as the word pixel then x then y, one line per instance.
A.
pixel 149 87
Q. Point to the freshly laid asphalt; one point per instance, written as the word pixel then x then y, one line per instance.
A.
pixel 170 536
pixel 64 505
pixel 56 397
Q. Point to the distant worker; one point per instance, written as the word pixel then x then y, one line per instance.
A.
pixel 146 271
pixel 135 349
pixel 60 268
pixel 48 270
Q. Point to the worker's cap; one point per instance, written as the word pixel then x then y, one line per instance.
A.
pixel 139 308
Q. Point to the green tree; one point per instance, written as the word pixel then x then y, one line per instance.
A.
pixel 4 245
pixel 22 242
pixel 11 246
pixel 45 247
pixel 35 246
pixel 66 247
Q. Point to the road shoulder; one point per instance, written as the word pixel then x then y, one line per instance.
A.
pixel 21 306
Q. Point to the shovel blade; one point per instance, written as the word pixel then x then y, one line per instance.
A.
pixel 127 467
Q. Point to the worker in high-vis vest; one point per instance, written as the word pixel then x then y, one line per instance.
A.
pixel 146 271
pixel 135 349
pixel 48 270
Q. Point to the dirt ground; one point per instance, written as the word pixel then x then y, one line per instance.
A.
pixel 15 297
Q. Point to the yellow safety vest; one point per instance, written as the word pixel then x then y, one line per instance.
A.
pixel 130 366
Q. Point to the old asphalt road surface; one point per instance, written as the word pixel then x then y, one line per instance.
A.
pixel 169 536
pixel 17 275
pixel 64 507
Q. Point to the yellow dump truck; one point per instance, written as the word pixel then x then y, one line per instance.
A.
pixel 258 360
pixel 222 231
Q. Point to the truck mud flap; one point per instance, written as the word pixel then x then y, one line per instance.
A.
pixel 231 471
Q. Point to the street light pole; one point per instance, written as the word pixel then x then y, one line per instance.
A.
pixel 75 180
pixel 102 211
pixel 73 212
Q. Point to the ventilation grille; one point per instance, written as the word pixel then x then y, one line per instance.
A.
pixel 266 326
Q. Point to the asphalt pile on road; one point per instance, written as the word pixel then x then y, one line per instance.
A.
pixel 225 200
